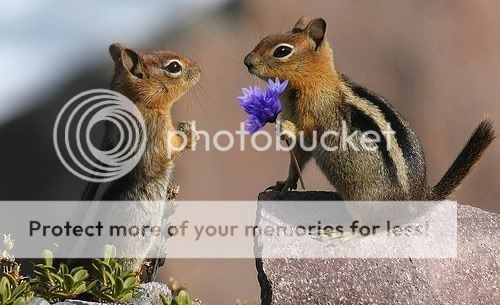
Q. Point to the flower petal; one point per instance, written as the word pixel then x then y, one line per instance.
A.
pixel 253 124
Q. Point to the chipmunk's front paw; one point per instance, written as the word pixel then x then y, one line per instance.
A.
pixel 283 186
pixel 286 130
pixel 172 191
pixel 189 129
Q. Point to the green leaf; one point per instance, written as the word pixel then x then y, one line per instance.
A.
pixel 49 257
pixel 49 276
pixel 118 270
pixel 63 269
pixel 92 284
pixel 19 290
pixel 59 278
pixel 7 295
pixel 80 289
pixel 5 289
pixel 11 279
pixel 126 297
pixel 183 298
pixel 119 286
pixel 76 270
pixel 19 301
pixel 68 282
pixel 4 282
pixel 130 282
pixel 109 252
pixel 111 278
pixel 107 267
pixel 165 300
pixel 80 275
pixel 128 273
pixel 38 272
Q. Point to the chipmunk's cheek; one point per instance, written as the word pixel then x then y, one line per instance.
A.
pixel 259 71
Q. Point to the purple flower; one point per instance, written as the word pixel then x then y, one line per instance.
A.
pixel 262 107
pixel 276 88
pixel 253 124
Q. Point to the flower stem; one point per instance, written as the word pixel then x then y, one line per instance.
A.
pixel 297 167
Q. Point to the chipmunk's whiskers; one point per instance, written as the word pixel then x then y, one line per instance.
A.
pixel 198 91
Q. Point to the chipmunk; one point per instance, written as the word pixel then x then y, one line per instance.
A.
pixel 319 99
pixel 154 81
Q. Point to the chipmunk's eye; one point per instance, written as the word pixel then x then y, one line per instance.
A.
pixel 173 67
pixel 282 51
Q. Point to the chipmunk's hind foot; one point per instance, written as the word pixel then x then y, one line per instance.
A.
pixel 282 186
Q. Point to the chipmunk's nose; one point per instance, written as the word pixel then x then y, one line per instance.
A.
pixel 249 61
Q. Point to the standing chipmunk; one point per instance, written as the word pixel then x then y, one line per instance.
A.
pixel 320 99
pixel 154 81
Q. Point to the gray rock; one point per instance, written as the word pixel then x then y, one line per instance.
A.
pixel 150 295
pixel 472 278
pixel 152 291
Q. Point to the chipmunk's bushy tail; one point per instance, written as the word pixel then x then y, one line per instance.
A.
pixel 461 167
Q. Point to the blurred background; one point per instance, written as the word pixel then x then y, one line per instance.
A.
pixel 438 62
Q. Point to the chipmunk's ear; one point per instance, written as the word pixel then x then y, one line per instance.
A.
pixel 126 58
pixel 316 29
pixel 301 24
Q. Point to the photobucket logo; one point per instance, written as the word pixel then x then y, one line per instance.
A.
pixel 73 141
pixel 343 139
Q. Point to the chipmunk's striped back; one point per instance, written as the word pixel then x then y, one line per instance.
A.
pixel 406 151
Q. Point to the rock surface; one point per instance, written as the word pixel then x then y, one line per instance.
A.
pixel 471 278
pixel 152 291
pixel 150 296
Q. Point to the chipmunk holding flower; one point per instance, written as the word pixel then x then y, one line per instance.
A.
pixel 320 99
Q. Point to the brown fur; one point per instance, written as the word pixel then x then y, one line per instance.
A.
pixel 141 77
pixel 482 137
pixel 319 99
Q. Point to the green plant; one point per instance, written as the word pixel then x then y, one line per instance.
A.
pixel 182 298
pixel 61 283
pixel 13 292
pixel 9 266
pixel 113 283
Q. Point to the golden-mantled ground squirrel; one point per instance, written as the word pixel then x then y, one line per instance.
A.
pixel 154 81
pixel 320 99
